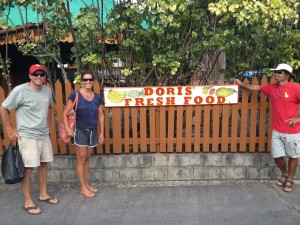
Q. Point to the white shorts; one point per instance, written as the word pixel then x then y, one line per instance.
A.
pixel 35 151
pixel 285 145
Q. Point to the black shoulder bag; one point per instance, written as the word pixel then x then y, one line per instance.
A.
pixel 12 166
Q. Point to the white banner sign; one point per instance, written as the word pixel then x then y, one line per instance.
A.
pixel 170 95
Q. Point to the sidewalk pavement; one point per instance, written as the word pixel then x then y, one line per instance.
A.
pixel 219 203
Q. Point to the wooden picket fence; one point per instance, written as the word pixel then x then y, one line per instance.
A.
pixel 242 127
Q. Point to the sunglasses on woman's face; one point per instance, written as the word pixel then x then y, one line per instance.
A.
pixel 88 79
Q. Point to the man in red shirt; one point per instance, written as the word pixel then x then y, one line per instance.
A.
pixel 285 99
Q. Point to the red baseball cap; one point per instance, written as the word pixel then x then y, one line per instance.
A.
pixel 36 67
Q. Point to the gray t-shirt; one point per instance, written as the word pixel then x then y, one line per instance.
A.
pixel 31 110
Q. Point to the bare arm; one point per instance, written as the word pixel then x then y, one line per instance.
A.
pixel 251 87
pixel 12 133
pixel 101 121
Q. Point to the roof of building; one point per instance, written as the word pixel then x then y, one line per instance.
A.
pixel 32 16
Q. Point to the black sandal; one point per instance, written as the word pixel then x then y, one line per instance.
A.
pixel 289 186
pixel 280 182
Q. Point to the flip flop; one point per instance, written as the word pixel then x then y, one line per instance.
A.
pixel 27 209
pixel 88 196
pixel 290 186
pixel 49 200
pixel 280 182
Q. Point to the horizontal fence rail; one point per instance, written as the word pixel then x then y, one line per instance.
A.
pixel 242 127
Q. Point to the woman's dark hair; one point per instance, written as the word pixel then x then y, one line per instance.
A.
pixel 87 72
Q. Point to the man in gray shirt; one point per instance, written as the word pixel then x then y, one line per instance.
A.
pixel 33 104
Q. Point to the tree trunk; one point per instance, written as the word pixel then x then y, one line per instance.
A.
pixel 209 69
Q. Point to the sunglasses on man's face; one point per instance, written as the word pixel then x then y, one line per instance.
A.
pixel 280 72
pixel 87 79
pixel 38 74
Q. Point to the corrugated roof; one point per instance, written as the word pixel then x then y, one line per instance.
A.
pixel 35 17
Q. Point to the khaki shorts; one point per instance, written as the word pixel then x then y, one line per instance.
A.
pixel 285 145
pixel 35 151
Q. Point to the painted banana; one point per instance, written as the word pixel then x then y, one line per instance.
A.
pixel 225 92
pixel 116 96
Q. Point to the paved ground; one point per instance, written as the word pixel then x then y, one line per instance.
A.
pixel 230 203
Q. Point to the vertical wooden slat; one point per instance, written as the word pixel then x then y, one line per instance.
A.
pixel 152 124
pixel 170 138
pixel 68 89
pixel 162 128
pixel 116 118
pixel 5 141
pixel 270 120
pixel 197 128
pixel 179 128
pixel 126 129
pixel 52 132
pixel 206 128
pixel 97 88
pixel 262 119
pixel 188 128
pixel 216 127
pixel 225 128
pixel 107 121
pixel 269 129
pixel 2 142
pixel 1 145
pixel 253 117
pixel 157 129
pixel 59 108
pixel 99 148
pixel 134 121
pixel 234 127
pixel 244 119
pixel 77 87
pixel 143 129
pixel 52 129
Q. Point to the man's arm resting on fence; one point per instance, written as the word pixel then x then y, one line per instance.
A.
pixel 12 133
pixel 251 87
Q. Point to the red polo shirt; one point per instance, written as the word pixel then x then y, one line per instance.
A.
pixel 285 101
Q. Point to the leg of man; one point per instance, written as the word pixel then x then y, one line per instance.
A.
pixel 26 188
pixel 42 176
pixel 292 166
pixel 278 152
pixel 46 155
pixel 293 163
pixel 280 162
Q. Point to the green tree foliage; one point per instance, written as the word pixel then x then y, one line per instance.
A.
pixel 262 33
pixel 163 42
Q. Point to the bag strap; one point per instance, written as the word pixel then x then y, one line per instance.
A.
pixel 75 103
